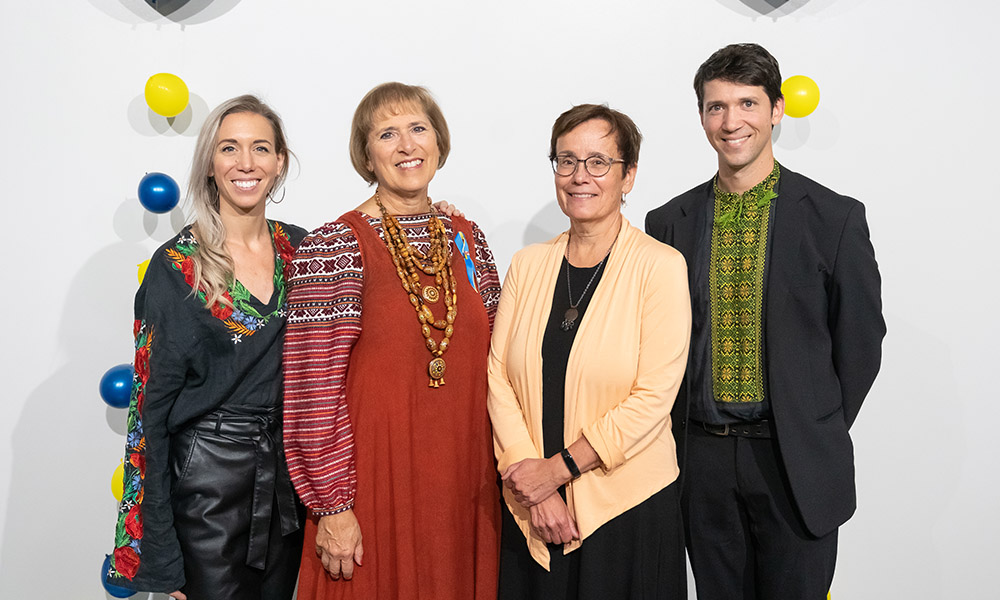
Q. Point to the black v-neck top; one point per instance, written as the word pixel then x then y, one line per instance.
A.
pixel 556 347
pixel 189 362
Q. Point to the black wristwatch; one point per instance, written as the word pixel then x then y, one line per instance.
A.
pixel 574 470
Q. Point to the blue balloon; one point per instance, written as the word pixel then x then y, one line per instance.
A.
pixel 116 386
pixel 158 192
pixel 115 590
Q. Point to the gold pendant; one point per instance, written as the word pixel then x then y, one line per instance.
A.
pixel 430 294
pixel 436 371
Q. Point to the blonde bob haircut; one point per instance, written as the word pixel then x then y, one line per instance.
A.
pixel 393 97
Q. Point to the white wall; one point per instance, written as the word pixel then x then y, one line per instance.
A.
pixel 905 124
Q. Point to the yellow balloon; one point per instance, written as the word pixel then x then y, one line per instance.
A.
pixel 801 96
pixel 166 94
pixel 142 269
pixel 118 481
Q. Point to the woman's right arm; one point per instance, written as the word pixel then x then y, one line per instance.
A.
pixel 511 438
pixel 324 322
pixel 549 519
pixel 147 553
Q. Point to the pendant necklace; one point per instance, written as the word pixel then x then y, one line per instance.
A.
pixel 409 263
pixel 571 314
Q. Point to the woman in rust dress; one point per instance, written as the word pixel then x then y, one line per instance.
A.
pixel 386 430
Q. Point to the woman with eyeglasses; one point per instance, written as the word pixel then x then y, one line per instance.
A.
pixel 589 346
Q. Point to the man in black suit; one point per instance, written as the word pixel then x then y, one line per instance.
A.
pixel 786 342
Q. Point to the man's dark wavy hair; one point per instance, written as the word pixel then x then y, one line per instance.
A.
pixel 746 64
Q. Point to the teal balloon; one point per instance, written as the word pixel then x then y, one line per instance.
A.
pixel 158 192
pixel 116 386
pixel 116 591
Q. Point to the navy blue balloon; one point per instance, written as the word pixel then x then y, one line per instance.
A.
pixel 115 590
pixel 116 386
pixel 158 192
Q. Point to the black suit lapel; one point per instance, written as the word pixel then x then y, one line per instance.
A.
pixel 787 232
pixel 689 230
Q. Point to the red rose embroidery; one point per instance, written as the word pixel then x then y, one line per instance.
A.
pixel 142 362
pixel 133 522
pixel 221 311
pixel 136 327
pixel 138 401
pixel 126 562
pixel 187 267
pixel 285 250
pixel 138 461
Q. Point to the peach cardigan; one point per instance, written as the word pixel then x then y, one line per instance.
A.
pixel 623 374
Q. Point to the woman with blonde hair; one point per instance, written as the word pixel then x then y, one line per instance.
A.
pixel 208 510
pixel 386 431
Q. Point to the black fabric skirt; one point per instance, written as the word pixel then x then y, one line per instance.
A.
pixel 638 555
pixel 236 515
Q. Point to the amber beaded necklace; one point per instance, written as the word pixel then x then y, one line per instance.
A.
pixel 410 262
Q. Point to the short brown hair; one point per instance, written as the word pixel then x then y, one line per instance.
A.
pixel 745 64
pixel 627 135
pixel 388 96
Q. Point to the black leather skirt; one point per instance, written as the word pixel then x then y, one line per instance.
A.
pixel 237 517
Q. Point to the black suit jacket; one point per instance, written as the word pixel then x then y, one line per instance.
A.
pixel 823 333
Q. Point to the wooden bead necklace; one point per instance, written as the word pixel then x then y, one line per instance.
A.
pixel 410 262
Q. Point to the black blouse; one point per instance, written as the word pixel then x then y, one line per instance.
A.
pixel 189 362
pixel 556 346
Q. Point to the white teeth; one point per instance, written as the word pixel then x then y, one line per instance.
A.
pixel 246 185
pixel 410 163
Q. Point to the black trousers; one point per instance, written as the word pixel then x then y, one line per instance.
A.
pixel 638 555
pixel 236 516
pixel 745 538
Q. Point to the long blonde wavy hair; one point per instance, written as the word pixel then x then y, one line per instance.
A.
pixel 213 267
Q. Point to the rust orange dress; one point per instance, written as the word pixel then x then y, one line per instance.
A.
pixel 426 500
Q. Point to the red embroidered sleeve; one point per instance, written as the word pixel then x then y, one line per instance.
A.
pixel 486 269
pixel 324 322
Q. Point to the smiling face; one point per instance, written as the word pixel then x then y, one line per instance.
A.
pixel 403 152
pixel 738 120
pixel 583 197
pixel 245 163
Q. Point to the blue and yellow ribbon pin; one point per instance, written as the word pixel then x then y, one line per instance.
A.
pixel 470 267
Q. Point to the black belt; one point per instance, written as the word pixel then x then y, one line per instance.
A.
pixel 750 429
pixel 260 428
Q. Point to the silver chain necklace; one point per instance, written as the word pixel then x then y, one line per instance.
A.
pixel 571 314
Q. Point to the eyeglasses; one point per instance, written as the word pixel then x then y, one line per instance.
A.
pixel 597 165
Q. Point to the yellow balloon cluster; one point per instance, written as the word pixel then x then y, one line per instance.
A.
pixel 166 94
pixel 118 481
pixel 801 96
pixel 142 269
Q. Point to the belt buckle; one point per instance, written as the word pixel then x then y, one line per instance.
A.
pixel 721 433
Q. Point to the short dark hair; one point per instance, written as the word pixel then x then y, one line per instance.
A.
pixel 627 135
pixel 746 64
